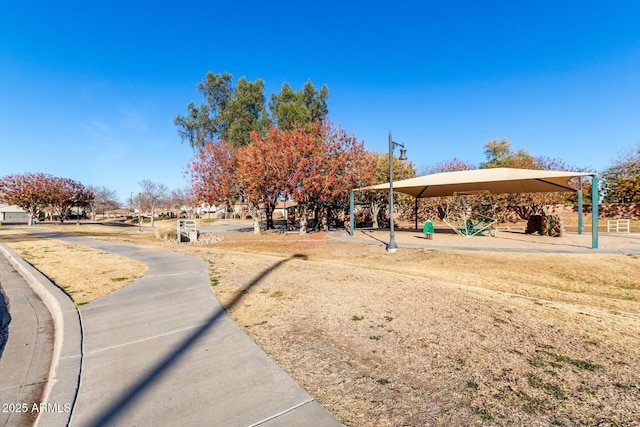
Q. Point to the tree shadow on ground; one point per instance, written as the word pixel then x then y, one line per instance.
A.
pixel 110 414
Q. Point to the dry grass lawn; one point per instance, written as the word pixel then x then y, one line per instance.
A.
pixel 432 337
pixel 84 274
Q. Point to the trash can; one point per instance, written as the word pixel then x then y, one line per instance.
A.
pixel 428 230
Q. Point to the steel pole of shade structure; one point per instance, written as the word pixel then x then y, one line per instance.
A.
pixel 393 246
pixel 580 227
pixel 351 214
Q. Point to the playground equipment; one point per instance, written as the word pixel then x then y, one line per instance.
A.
pixel 471 214
pixel 428 230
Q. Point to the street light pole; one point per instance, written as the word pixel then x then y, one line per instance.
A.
pixel 139 214
pixel 392 246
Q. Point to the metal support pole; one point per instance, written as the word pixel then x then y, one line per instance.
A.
pixel 416 213
pixel 392 246
pixel 594 212
pixel 580 227
pixel 351 215
pixel 139 214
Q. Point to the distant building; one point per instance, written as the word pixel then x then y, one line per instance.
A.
pixel 13 213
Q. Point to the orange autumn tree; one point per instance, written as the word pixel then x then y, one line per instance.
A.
pixel 314 164
pixel 212 174
pixel 327 163
pixel 262 168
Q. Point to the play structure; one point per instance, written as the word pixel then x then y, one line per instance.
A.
pixel 471 214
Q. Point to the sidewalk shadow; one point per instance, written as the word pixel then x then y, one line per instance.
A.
pixel 108 416
pixel 5 319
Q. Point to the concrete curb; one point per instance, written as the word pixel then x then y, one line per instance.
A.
pixel 66 364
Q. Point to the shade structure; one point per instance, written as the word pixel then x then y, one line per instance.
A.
pixel 495 181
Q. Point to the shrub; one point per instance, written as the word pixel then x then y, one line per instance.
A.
pixel 167 233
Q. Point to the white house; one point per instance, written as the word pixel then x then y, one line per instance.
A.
pixel 13 213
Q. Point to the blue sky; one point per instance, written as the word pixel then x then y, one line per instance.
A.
pixel 89 90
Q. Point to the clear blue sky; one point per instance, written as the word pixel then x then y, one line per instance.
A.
pixel 89 90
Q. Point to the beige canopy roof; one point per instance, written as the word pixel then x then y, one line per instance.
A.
pixel 495 180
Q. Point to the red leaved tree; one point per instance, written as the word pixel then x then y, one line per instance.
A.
pixel 34 192
pixel 65 193
pixel 212 173
pixel 28 191
pixel 264 167
pixel 314 164
pixel 326 164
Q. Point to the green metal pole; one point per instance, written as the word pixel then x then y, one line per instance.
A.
pixel 416 212
pixel 594 212
pixel 580 227
pixel 351 218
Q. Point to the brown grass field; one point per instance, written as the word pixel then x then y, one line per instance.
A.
pixel 421 337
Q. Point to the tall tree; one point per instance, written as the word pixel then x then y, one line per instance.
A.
pixel 263 168
pixel 212 173
pixel 104 199
pixel 621 180
pixel 308 105
pixel 379 200
pixel 326 162
pixel 207 122
pixel 499 154
pixel 66 194
pixel 315 165
pixel 180 201
pixel 245 112
pixel 452 165
pixel 152 195
pixel 228 113
pixel 34 192
pixel 30 191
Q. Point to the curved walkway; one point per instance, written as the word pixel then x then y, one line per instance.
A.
pixel 162 351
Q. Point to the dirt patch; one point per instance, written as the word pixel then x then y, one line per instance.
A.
pixel 436 337
pixel 445 337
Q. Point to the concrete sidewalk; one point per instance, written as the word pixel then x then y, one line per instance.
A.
pixel 162 351
pixel 504 241
pixel 26 360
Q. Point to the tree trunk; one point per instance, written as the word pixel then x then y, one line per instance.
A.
pixel 253 210
pixel 324 214
pixel 256 224
pixel 303 220
pixel 268 211
pixel 375 211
